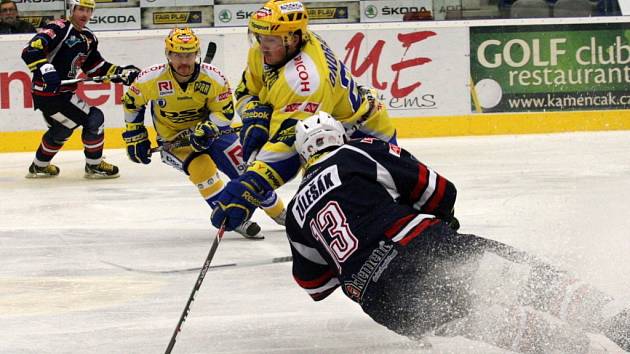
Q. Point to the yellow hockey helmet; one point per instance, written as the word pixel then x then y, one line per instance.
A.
pixel 280 18
pixel 91 4
pixel 181 40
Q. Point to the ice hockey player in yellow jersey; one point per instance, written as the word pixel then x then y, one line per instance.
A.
pixel 190 102
pixel 291 74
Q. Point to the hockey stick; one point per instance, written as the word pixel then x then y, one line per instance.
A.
pixel 185 141
pixel 191 298
pixel 214 267
pixel 91 79
pixel 210 52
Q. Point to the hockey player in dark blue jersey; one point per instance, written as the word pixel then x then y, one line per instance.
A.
pixel 60 51
pixel 371 219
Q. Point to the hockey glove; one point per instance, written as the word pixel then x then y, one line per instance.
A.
pixel 138 144
pixel 237 202
pixel 127 74
pixel 204 135
pixel 255 131
pixel 51 78
pixel 452 221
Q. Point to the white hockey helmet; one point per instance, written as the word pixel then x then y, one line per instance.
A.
pixel 316 133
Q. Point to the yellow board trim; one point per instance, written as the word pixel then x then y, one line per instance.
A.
pixel 409 127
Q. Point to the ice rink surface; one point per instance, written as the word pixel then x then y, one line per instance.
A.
pixel 564 197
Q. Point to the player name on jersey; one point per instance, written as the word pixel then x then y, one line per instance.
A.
pixel 322 183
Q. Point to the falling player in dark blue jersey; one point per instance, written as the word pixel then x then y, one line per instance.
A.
pixel 62 50
pixel 371 219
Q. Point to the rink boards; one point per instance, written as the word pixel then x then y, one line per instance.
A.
pixel 436 78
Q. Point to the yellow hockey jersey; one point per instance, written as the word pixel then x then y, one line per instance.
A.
pixel 176 107
pixel 314 80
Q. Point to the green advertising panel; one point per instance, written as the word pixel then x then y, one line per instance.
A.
pixel 550 67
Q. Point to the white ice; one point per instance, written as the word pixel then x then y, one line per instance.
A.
pixel 565 197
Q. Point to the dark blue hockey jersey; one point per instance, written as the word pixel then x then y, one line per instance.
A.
pixel 354 206
pixel 69 50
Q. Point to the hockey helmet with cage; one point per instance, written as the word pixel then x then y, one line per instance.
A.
pixel 317 133
pixel 280 18
pixel 181 40
pixel 90 4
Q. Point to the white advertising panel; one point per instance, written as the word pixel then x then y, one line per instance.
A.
pixel 112 19
pixel 409 67
pixel 259 2
pixel 392 11
pixel 419 72
pixel 442 7
pixel 192 2
pixel 233 15
pixel 39 5
pixel 165 3
pixel 116 3
pixel 156 3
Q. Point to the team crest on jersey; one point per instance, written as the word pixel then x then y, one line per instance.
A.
pixel 165 88
pixel 72 41
pixel 302 75
pixel 394 150
pixel 310 193
pixel 76 64
pixel 270 76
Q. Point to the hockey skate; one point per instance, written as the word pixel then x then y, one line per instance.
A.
pixel 35 171
pixel 250 230
pixel 101 171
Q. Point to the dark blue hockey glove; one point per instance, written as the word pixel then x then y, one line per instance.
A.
pixel 138 144
pixel 238 201
pixel 255 131
pixel 127 74
pixel 51 78
pixel 204 135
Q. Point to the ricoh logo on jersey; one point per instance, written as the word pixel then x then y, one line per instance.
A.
pixel 165 88
pixel 302 74
pixel 112 19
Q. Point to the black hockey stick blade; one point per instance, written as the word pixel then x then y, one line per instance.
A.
pixel 210 52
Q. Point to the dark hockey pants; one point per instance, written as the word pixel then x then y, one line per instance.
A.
pixel 63 114
pixel 431 283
